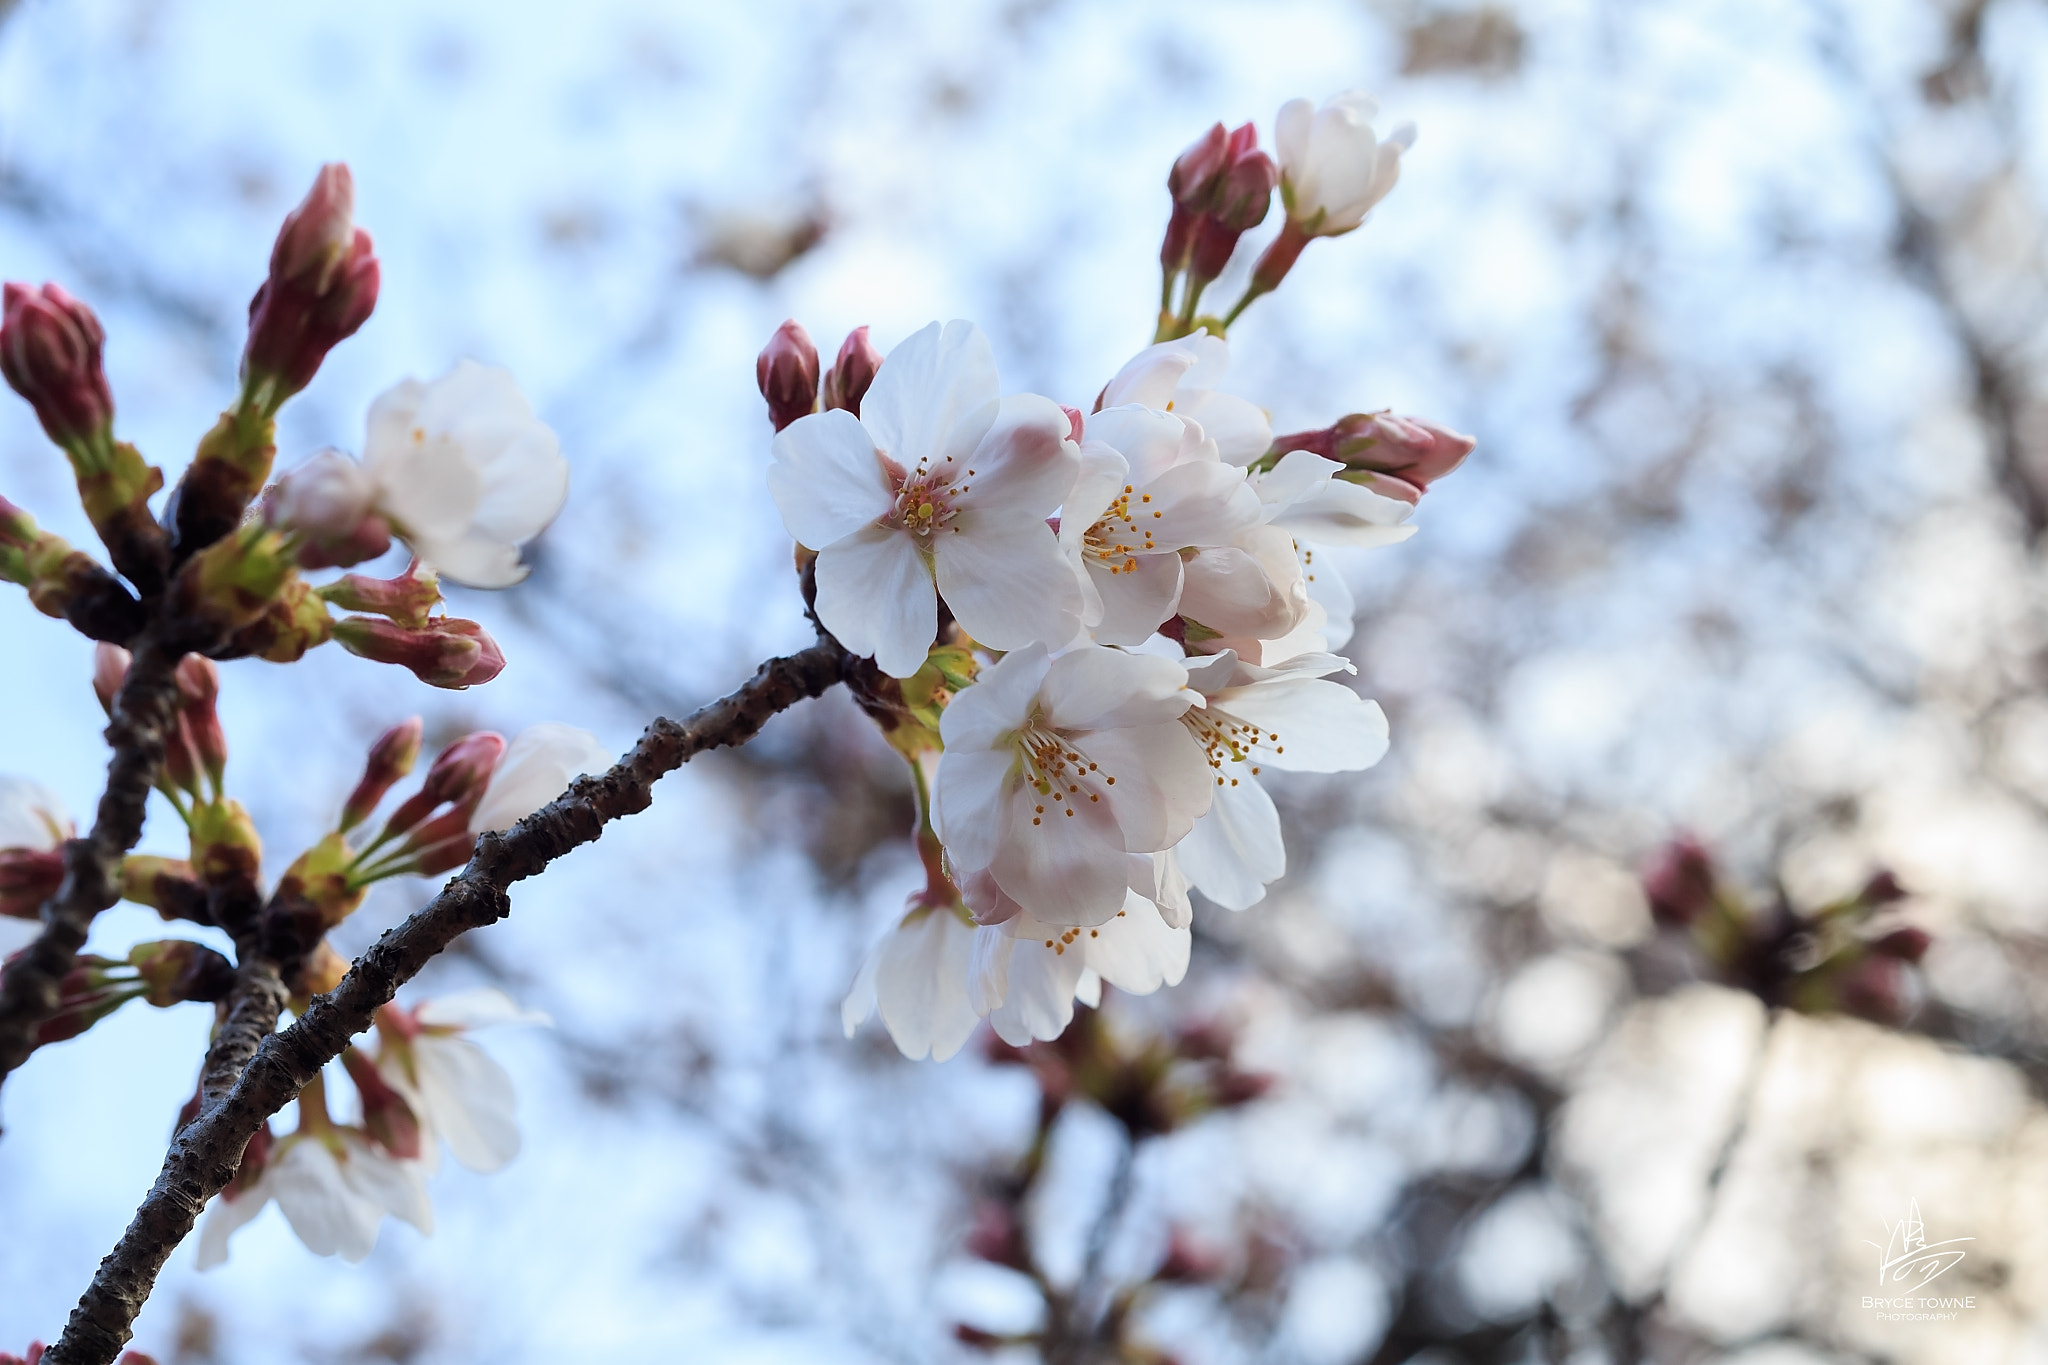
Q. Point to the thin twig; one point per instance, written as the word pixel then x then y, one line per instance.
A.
pixel 205 1154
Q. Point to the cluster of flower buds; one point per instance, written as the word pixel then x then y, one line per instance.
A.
pixel 787 371
pixel 322 286
pixel 1331 170
pixel 428 1083
pixel 1849 956
pixel 1091 634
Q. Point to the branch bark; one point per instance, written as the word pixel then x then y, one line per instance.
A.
pixel 204 1155
pixel 143 710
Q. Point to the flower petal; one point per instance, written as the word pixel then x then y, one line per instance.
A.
pixel 1163 782
pixel 1092 688
pixel 1135 600
pixel 934 392
pixel 470 1100
pixel 1236 849
pixel 875 594
pixel 1138 951
pixel 1023 466
pixel 921 983
pixel 1323 727
pixel 1067 869
pixel 826 479
pixel 1006 581
pixel 1241 429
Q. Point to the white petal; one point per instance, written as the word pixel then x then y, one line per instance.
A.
pixel 875 594
pixel 1326 587
pixel 988 968
pixel 470 1100
pixel 1138 951
pixel 921 983
pixel 1006 581
pixel 478 1008
pixel 1039 1001
pixel 969 800
pixel 859 1004
pixel 1088 990
pixel 223 1217
pixel 1323 727
pixel 826 480
pixel 1134 601
pixel 934 391
pixel 475 561
pixel 328 1216
pixel 1150 377
pixel 1068 869
pixel 1093 688
pixel 537 767
pixel 32 816
pixel 1163 783
pixel 1236 849
pixel 1241 430
pixel 981 715
pixel 1198 504
pixel 394 1186
pixel 1023 467
pixel 1149 440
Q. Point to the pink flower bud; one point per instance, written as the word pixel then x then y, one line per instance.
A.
pixel 1415 452
pixel 392 757
pixel 1277 259
pixel 28 877
pixel 109 671
pixel 50 354
pixel 446 652
pixel 1192 181
pixel 406 599
pixel 175 970
pixel 1244 192
pixel 35 1354
pixel 458 777
pixel 198 679
pixel 386 1115
pixel 322 286
pixel 787 371
pixel 847 381
pixel 1680 884
pixel 1882 889
pixel 1906 945
pixel 1076 422
pixel 331 502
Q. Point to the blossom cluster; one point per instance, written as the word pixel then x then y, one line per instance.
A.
pixel 1101 627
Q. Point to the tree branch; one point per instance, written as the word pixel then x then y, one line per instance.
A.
pixel 143 711
pixel 204 1155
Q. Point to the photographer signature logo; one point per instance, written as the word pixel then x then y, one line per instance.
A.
pixel 1907 1252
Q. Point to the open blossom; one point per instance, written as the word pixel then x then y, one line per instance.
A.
pixel 1249 596
pixel 1333 169
pixel 1026 975
pixel 33 828
pixel 537 767
pixel 1059 774
pixel 1290 718
pixel 1151 486
pixel 1180 377
pixel 457 1092
pixel 334 1185
pixel 460 469
pixel 940 488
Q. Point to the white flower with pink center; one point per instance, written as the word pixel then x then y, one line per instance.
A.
pixel 1059 775
pixel 940 488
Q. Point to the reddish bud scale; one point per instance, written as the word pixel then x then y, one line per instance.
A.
pixel 787 371
pixel 853 372
pixel 322 286
pixel 28 877
pixel 1906 945
pixel 50 346
pixel 386 1115
pixel 198 680
pixel 1680 883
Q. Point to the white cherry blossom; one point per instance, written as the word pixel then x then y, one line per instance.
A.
pixel 1058 774
pixel 1152 485
pixel 1180 376
pixel 1333 169
pixel 1302 495
pixel 1290 718
pixel 456 1091
pixel 32 816
pixel 1247 596
pixel 916 977
pixel 537 767
pixel 940 488
pixel 465 472
pixel 334 1186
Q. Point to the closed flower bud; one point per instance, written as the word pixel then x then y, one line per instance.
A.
pixel 109 671
pixel 391 758
pixel 446 652
pixel 198 679
pixel 50 354
pixel 457 778
pixel 322 286
pixel 847 382
pixel 406 599
pixel 331 502
pixel 1397 456
pixel 1680 883
pixel 1192 181
pixel 225 846
pixel 177 969
pixel 93 989
pixel 787 371
pixel 166 885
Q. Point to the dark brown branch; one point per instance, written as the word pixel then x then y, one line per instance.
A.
pixel 29 983
pixel 204 1155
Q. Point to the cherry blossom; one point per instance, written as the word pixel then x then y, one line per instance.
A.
pixel 916 978
pixel 939 488
pixel 33 828
pixel 1289 718
pixel 1333 168
pixel 334 1186
pixel 1152 485
pixel 1058 773
pixel 32 816
pixel 1251 596
pixel 1180 376
pixel 458 1093
pixel 537 767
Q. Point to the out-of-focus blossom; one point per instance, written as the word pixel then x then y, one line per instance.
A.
pixel 322 286
pixel 1151 486
pixel 1180 377
pixel 50 354
pixel 331 501
pixel 1290 718
pixel 537 767
pixel 1059 774
pixel 787 371
pixel 940 487
pixel 33 828
pixel 32 816
pixel 461 1096
pixel 916 977
pixel 334 1186
pixel 1680 883
pixel 1333 167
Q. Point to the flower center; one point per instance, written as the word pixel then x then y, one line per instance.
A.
pixel 1123 533
pixel 1058 772
pixel 1226 739
pixel 926 500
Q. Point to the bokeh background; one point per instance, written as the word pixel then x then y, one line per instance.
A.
pixel 1744 300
